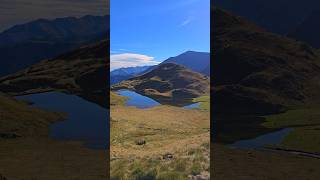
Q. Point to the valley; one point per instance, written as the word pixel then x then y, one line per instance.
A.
pixel 41 103
pixel 265 103
pixel 175 140
pixel 24 140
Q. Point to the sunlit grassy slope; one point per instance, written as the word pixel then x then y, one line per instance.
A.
pixel 204 102
pixel 182 133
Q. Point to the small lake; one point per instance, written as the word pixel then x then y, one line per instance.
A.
pixel 192 106
pixel 138 100
pixel 85 121
pixel 273 138
pixel 144 102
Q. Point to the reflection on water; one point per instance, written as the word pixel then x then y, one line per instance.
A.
pixel 138 100
pixel 144 102
pixel 192 106
pixel 273 138
pixel 85 121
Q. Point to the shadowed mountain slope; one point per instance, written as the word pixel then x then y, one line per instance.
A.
pixel 259 72
pixel 196 61
pixel 83 72
pixel 27 44
pixel 168 83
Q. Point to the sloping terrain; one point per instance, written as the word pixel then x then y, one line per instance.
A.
pixel 175 141
pixel 196 61
pixel 257 72
pixel 18 119
pixel 121 74
pixel 169 83
pixel 27 44
pixel 83 72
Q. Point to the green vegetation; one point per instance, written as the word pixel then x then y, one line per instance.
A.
pixel 305 123
pixel 116 99
pixel 204 102
pixel 179 167
pixel 166 130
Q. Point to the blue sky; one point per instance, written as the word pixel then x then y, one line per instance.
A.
pixel 145 32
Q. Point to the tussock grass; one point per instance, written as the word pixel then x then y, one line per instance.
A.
pixel 181 132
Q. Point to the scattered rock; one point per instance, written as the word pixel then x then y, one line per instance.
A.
pixel 198 177
pixel 168 156
pixel 140 142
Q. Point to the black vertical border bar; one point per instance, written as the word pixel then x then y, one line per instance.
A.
pixel 108 92
pixel 212 129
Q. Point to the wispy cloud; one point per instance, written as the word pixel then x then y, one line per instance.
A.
pixel 130 60
pixel 187 21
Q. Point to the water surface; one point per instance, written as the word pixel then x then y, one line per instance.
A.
pixel 85 121
pixel 273 138
pixel 138 100
pixel 192 106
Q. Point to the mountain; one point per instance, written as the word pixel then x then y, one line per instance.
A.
pixel 168 83
pixel 279 16
pixel 26 44
pixel 83 72
pixel 121 74
pixel 308 30
pixel 197 61
pixel 258 72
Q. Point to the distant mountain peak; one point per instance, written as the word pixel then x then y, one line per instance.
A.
pixel 197 61
pixel 26 44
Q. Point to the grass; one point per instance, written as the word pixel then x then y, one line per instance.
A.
pixel 204 102
pixel 180 167
pixel 305 124
pixel 237 164
pixel 166 129
pixel 42 157
pixel 23 120
pixel 116 99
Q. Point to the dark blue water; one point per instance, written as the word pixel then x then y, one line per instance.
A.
pixel 85 121
pixel 138 100
pixel 273 138
pixel 192 106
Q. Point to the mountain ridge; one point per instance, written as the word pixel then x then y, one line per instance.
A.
pixel 259 72
pixel 197 61
pixel 83 72
pixel 29 43
pixel 121 74
pixel 169 83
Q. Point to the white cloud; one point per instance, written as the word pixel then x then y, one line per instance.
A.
pixel 131 60
pixel 186 21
